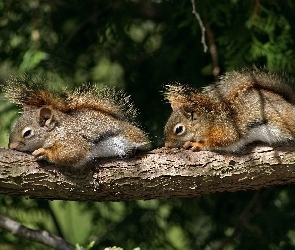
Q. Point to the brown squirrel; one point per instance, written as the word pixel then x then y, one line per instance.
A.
pixel 72 128
pixel 244 106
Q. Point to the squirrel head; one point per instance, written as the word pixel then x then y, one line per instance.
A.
pixel 177 130
pixel 32 128
pixel 186 124
pixel 193 112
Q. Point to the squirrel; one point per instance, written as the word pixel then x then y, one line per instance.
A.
pixel 72 128
pixel 247 105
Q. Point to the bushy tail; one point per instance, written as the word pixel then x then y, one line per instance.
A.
pixel 33 91
pixel 237 82
pixel 107 100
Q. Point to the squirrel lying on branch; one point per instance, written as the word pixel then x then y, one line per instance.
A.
pixel 244 106
pixel 72 128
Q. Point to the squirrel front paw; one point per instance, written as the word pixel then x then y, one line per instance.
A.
pixel 193 145
pixel 39 154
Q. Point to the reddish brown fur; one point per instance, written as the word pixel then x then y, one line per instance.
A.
pixel 244 106
pixel 239 90
pixel 45 98
pixel 92 106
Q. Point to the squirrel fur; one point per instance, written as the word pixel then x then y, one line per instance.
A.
pixel 242 107
pixel 72 128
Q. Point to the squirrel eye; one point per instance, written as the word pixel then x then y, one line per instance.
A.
pixel 27 132
pixel 179 129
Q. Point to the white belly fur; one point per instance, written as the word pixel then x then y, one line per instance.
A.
pixel 264 133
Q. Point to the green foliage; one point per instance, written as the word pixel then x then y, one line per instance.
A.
pixel 139 46
pixel 90 245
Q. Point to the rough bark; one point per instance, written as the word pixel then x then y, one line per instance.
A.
pixel 161 173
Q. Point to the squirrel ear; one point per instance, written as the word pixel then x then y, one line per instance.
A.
pixel 46 117
pixel 176 105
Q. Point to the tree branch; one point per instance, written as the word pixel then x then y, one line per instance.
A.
pixel 42 237
pixel 161 173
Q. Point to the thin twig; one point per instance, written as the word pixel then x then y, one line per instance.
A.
pixel 39 236
pixel 256 8
pixel 201 25
pixel 213 52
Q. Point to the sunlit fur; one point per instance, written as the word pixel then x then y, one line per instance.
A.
pixel 244 106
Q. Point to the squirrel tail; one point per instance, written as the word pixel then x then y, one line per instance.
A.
pixel 30 90
pixel 260 78
pixel 107 100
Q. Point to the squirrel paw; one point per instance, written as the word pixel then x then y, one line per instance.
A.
pixel 193 145
pixel 39 154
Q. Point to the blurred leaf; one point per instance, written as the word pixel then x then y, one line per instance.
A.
pixel 32 59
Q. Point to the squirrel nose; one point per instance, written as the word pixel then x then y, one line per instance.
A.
pixel 13 145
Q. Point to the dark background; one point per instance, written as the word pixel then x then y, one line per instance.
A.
pixel 140 46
